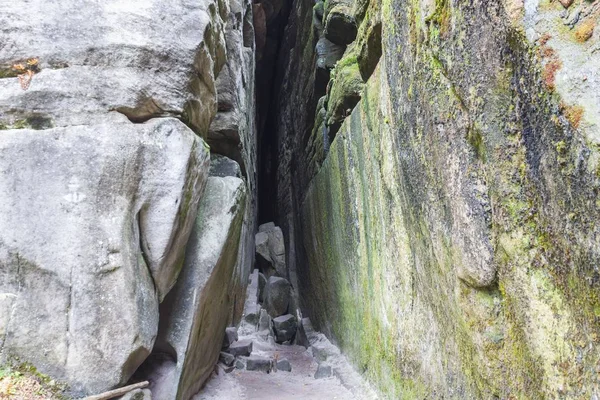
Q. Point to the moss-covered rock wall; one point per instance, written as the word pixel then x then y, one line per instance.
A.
pixel 449 240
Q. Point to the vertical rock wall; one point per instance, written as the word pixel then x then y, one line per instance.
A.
pixel 450 238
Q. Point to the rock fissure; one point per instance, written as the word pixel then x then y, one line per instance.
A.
pixel 344 198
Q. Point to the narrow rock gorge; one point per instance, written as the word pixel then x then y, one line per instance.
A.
pixel 299 199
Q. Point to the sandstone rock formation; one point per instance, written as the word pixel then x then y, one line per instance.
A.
pixel 101 181
pixel 197 310
pixel 449 233
pixel 94 224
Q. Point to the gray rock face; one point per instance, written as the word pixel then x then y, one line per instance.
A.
pixel 198 308
pixel 328 53
pixel 285 327
pixel 250 316
pixel 262 282
pixel 277 296
pixel 270 248
pixel 264 321
pixel 226 358
pixel 143 58
pixel 241 348
pixel 258 363
pixel 284 365
pixel 240 363
pixel 323 371
pixel 233 132
pixel 93 226
pixel 340 26
pixel 231 335
pixel 223 166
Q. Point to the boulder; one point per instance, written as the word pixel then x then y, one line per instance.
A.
pixel 231 335
pixel 222 166
pixel 284 365
pixel 323 371
pixel 266 227
pixel 144 59
pixel 277 296
pixel 340 25
pixel 270 249
pixel 241 348
pixel 259 363
pixel 93 226
pixel 284 327
pixel 328 53
pixel 240 363
pixel 226 358
pixel 198 309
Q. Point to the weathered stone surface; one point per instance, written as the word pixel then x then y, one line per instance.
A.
pixel 226 358
pixel 328 53
pixel 240 363
pixel 222 166
pixel 264 321
pixel 455 216
pixel 197 310
pixel 259 363
pixel 233 131
pixel 277 296
pixel 284 365
pixel 345 91
pixel 270 248
pixel 143 58
pixel 231 335
pixel 241 348
pixel 340 26
pixel 93 226
pixel 266 227
pixel 323 371
pixel 262 282
pixel 250 316
pixel 285 328
pixel 369 51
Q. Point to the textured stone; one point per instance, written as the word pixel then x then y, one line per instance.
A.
pixel 285 328
pixel 250 317
pixel 340 26
pixel 197 310
pixel 262 282
pixel 144 59
pixel 277 296
pixel 264 321
pixel 259 363
pixel 323 371
pixel 236 99
pixel 241 348
pixel 456 206
pixel 231 335
pixel 81 275
pixel 284 365
pixel 270 248
pixel 226 358
pixel 222 166
pixel 240 363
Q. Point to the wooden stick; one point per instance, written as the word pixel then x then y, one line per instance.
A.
pixel 118 392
